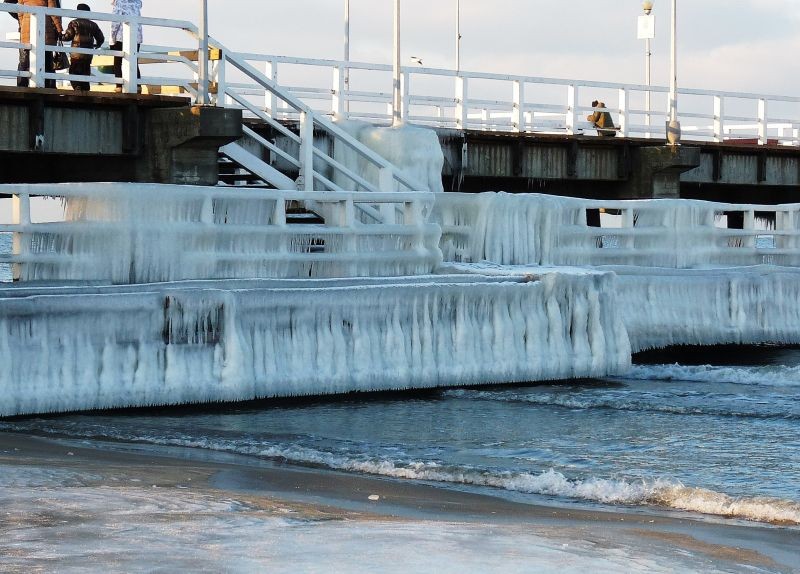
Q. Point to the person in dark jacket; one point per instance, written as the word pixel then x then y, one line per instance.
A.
pixel 83 33
pixel 52 32
pixel 602 121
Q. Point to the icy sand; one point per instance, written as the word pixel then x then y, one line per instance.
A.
pixel 66 507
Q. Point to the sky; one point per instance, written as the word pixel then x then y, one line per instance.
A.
pixel 736 45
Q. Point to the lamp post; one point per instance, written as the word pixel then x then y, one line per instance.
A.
pixel 347 53
pixel 202 57
pixel 647 31
pixel 396 95
pixel 674 126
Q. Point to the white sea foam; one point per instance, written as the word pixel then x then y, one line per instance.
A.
pixel 615 491
pixel 770 375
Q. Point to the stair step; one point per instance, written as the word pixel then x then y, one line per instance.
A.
pixel 235 177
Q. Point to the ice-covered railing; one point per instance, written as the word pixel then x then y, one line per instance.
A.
pixel 503 102
pixel 134 233
pixel 546 230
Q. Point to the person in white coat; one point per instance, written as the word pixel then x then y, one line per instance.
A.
pixel 124 8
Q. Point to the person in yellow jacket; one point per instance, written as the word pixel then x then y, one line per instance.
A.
pixel 602 121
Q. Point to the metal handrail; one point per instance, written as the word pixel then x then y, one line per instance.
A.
pixel 455 107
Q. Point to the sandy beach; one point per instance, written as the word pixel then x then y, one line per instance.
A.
pixel 69 506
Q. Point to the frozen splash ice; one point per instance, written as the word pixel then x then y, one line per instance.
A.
pixel 414 150
pixel 168 344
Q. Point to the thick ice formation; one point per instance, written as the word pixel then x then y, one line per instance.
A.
pixel 675 280
pixel 169 344
pixel 414 150
pixel 662 307
pixel 533 229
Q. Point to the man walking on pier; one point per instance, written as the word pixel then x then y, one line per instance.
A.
pixel 83 33
pixel 52 33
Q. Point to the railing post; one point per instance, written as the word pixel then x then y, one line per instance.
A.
pixel 20 215
pixel 748 227
pixel 270 99
pixel 130 63
pixel 219 69
pixel 624 124
pixel 462 107
pixel 763 125
pixel 386 185
pixel 572 109
pixel 306 152
pixel 405 96
pixel 518 112
pixel 338 100
pixel 719 119
pixel 627 223
pixel 38 26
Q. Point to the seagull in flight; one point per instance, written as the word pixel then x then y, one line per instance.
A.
pixel 416 60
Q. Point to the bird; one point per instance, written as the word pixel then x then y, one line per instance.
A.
pixel 416 60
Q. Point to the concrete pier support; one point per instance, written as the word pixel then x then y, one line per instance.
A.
pixel 656 171
pixel 182 145
pixel 55 136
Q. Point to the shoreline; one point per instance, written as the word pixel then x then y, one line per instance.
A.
pixel 317 495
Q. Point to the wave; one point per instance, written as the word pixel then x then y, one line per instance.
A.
pixel 661 493
pixel 654 493
pixel 618 402
pixel 770 376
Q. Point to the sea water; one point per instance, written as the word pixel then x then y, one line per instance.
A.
pixel 718 438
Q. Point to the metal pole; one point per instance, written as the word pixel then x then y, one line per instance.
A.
pixel 647 81
pixel 202 57
pixel 458 35
pixel 396 95
pixel 347 53
pixel 674 127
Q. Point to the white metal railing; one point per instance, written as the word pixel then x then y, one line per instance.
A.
pixel 434 97
pixel 318 169
pixel 532 229
pixel 133 233
pixel 502 102
pixel 183 78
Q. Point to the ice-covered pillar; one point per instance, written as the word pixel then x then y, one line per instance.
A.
pixel 20 215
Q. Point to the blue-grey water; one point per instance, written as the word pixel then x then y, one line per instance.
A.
pixel 711 439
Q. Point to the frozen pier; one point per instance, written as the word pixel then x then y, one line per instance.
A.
pixel 146 295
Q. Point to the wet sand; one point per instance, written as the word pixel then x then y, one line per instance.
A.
pixel 85 506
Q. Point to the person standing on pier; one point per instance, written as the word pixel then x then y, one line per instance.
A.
pixel 83 33
pixel 602 120
pixel 52 33
pixel 124 8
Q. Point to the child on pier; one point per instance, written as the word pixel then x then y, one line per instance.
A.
pixel 83 33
